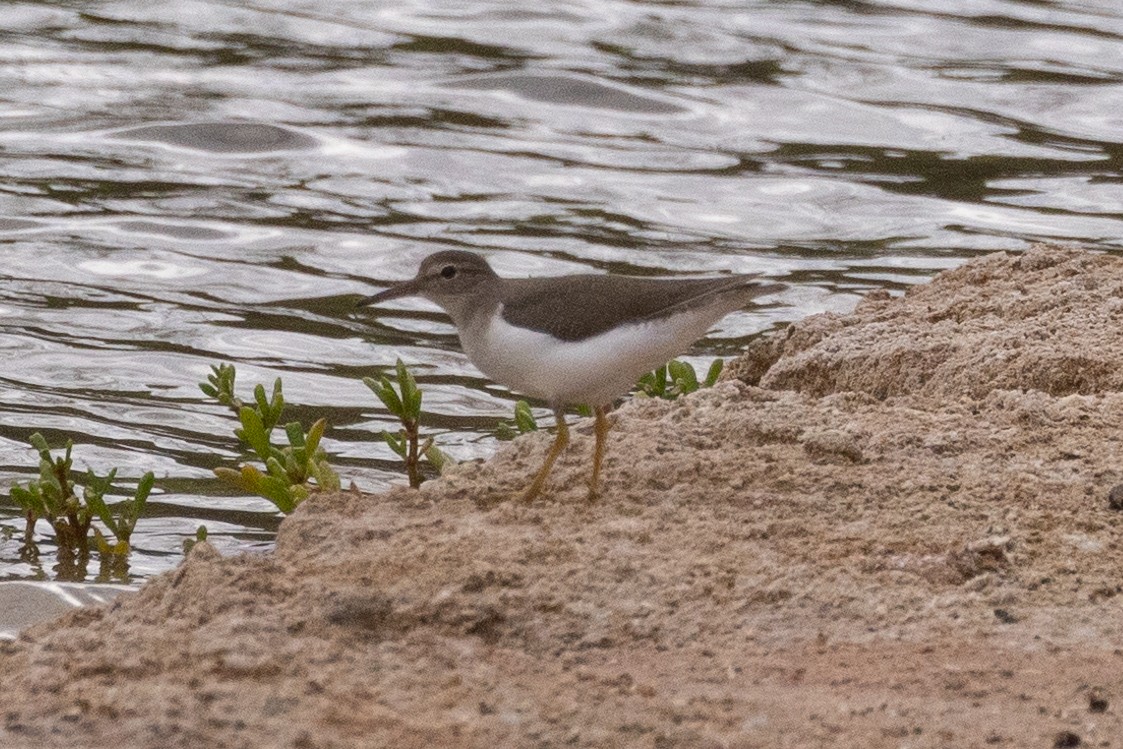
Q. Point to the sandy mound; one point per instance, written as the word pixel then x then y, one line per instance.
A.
pixel 1047 320
pixel 799 564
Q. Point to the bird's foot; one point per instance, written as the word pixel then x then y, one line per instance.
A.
pixel 531 493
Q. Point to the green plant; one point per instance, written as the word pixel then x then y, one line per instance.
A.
pixel 54 498
pixel 524 423
pixel 677 378
pixel 121 518
pixel 189 543
pixel 405 404
pixel 291 472
pixel 669 382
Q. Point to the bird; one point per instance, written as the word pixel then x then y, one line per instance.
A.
pixel 571 340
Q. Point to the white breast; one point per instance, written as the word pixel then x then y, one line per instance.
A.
pixel 594 371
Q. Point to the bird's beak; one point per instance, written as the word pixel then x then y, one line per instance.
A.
pixel 397 291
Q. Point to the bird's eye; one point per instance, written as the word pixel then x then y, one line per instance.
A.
pixel 449 271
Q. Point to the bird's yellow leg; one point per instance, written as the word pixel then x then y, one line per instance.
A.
pixel 601 429
pixel 560 443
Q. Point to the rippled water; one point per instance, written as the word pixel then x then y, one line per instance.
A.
pixel 197 182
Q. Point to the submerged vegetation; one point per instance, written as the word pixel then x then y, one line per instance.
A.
pixel 54 498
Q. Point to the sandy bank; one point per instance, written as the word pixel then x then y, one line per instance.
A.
pixel 895 533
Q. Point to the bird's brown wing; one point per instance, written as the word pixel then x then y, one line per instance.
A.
pixel 547 305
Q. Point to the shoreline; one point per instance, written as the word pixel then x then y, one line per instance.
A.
pixel 883 528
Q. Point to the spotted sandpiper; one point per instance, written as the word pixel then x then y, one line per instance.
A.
pixel 572 340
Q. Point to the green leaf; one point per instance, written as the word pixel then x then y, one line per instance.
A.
pixel 295 432
pixel 232 477
pixel 295 471
pixel 524 418
pixel 262 402
pixel 276 469
pixel 714 372
pixel 144 488
pixel 406 385
pixel 30 500
pixel 21 497
pixel 411 394
pixel 297 494
pixel 254 481
pixel 414 405
pixel 279 492
pixel 253 432
pixel 94 494
pixel 39 442
pixel 438 458
pixel 326 478
pixel 225 375
pixel 99 485
pixel 277 404
pixel 120 547
pixel 397 442
pixel 220 385
pixel 278 454
pixel 389 398
pixel 200 535
pixel 683 375
pixel 654 383
pixel 315 434
pixel 48 479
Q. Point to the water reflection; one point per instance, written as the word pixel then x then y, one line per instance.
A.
pixel 181 189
